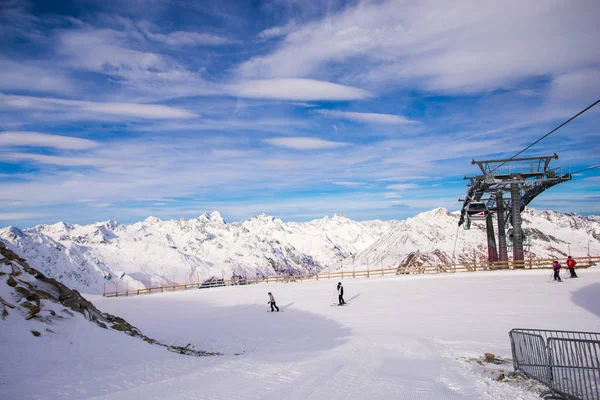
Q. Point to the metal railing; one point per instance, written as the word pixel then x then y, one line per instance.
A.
pixel 565 361
pixel 158 284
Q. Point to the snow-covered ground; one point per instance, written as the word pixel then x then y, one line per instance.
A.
pixel 405 337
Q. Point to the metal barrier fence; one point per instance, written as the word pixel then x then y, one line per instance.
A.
pixel 565 361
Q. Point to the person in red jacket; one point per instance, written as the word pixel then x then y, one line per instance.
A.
pixel 571 265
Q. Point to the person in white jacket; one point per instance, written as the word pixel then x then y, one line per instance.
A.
pixel 340 290
pixel 272 302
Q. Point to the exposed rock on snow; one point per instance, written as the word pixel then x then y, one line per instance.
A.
pixel 33 296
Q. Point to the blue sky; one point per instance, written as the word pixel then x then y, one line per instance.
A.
pixel 298 109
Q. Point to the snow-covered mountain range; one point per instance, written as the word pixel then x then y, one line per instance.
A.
pixel 207 247
pixel 433 238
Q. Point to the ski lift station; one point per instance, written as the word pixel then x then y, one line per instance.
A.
pixel 503 190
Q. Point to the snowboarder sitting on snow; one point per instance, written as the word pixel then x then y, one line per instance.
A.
pixel 556 268
pixel 272 302
pixel 340 290
pixel 571 265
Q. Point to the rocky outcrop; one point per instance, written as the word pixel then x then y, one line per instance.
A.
pixel 30 288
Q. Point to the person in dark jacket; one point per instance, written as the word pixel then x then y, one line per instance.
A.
pixel 571 265
pixel 272 302
pixel 340 290
pixel 556 268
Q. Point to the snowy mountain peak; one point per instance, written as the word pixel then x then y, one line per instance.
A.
pixel 152 220
pixel 262 217
pixel 110 224
pixel 11 231
pixel 61 226
pixel 340 217
pixel 214 217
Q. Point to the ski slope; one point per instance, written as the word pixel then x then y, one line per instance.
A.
pixel 405 337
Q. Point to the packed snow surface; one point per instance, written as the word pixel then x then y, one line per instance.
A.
pixel 404 337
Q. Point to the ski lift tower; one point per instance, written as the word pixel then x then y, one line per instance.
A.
pixel 524 179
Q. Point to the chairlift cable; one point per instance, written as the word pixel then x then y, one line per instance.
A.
pixel 548 134
pixel 586 169
pixel 455 240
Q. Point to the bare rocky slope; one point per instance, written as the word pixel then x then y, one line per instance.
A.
pixel 27 294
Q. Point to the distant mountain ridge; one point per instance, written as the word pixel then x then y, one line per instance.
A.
pixel 204 247
pixel 433 238
pixel 81 256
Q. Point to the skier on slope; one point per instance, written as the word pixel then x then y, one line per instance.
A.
pixel 340 291
pixel 272 302
pixel 571 265
pixel 556 268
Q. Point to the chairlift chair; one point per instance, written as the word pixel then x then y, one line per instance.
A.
pixel 477 211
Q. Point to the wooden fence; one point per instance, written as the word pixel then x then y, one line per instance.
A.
pixel 582 262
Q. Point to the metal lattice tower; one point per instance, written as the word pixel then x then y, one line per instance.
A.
pixel 524 179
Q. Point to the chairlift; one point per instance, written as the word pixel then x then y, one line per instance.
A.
pixel 477 211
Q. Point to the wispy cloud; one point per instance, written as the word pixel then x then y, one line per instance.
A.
pixel 120 55
pixel 277 31
pixel 55 160
pixel 262 124
pixel 402 186
pixel 19 216
pixel 391 195
pixel 182 38
pixel 144 111
pixel 304 143
pixel 465 49
pixel 36 139
pixel 349 184
pixel 20 76
pixel 297 89
pixel 368 117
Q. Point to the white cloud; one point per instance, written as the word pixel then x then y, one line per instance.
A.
pixel 149 111
pixel 403 178
pixel 145 111
pixel 36 139
pixel 402 186
pixel 369 117
pixel 568 88
pixel 297 89
pixel 463 48
pixel 391 195
pixel 56 160
pixel 182 38
pixel 349 184
pixel 304 143
pixel 123 56
pixel 18 215
pixel 264 124
pixel 19 76
pixel 277 31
